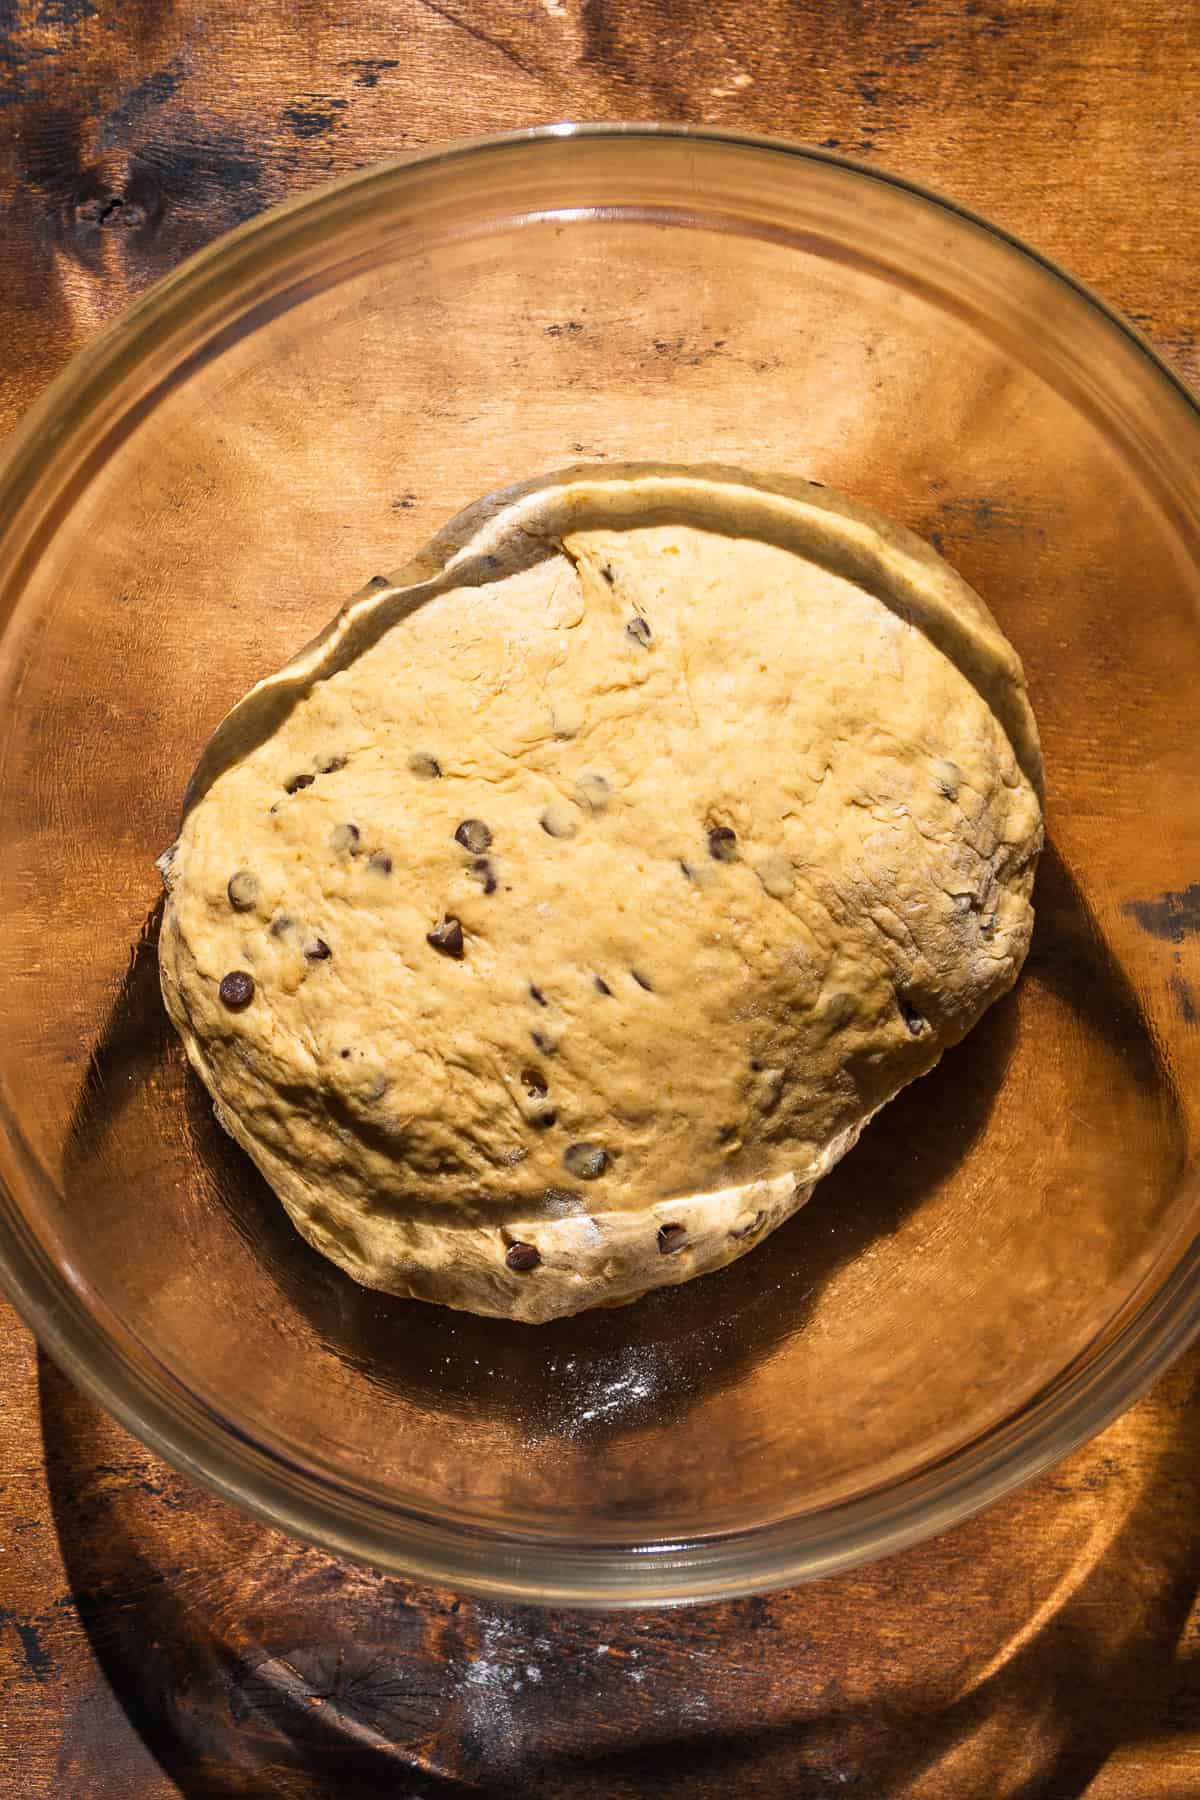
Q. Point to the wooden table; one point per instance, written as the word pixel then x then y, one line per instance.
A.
pixel 154 1642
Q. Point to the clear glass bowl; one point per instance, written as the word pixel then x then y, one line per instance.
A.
pixel 1008 1257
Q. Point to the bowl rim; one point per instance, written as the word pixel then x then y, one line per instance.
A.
pixel 158 1409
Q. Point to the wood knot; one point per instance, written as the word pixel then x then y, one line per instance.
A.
pixel 115 194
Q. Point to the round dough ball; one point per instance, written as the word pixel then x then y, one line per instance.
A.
pixel 549 926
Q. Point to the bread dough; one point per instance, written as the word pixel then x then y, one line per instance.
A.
pixel 597 877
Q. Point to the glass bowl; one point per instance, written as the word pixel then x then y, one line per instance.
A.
pixel 1008 1257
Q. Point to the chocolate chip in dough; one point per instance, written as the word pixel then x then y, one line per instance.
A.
pixel 585 1161
pixel 522 1257
pixel 601 985
pixel 280 924
pixel 379 581
pixel 380 861
pixel 671 1238
pixel 446 937
pixel 331 765
pixel 643 981
pixel 542 1042
pixel 557 821
pixel 484 874
pixel 913 1017
pixel 542 1121
pixel 639 630
pixel 722 844
pixel 242 889
pixel 236 989
pixel 344 839
pixel 534 1082
pixel 947 778
pixel 474 836
pixel 536 994
pixel 426 766
pixel 592 791
pixel 297 782
pixel 317 950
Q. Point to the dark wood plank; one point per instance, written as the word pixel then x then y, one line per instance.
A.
pixel 154 1642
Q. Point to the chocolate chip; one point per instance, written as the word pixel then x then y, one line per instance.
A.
pixel 601 985
pixel 343 839
pixel 912 1015
pixel 585 1161
pixel 557 822
pixel 331 765
pixel 639 630
pixel 542 1121
pixel 242 889
pixel 317 950
pixel 484 874
pixel 534 1081
pixel 592 791
pixel 377 1088
pixel 345 1053
pixel 671 1238
pixel 297 782
pixel 608 575
pixel 722 844
pixel 236 989
pixel 535 993
pixel 279 924
pixel 379 581
pixel 426 766
pixel 947 778
pixel 542 1042
pixel 474 836
pixel 642 980
pixel 522 1257
pixel 446 937
pixel 380 861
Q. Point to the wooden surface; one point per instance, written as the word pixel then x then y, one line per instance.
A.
pixel 152 1641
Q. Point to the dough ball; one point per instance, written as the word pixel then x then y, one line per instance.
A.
pixel 551 925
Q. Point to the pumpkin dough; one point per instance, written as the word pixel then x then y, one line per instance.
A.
pixel 549 926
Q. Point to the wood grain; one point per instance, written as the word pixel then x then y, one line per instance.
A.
pixel 154 1642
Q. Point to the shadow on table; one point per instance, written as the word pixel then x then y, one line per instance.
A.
pixel 250 1665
